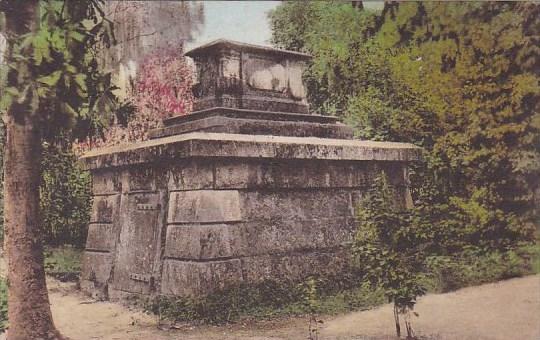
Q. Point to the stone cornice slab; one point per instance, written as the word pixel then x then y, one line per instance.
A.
pixel 199 144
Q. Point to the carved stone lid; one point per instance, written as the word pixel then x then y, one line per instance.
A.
pixel 235 45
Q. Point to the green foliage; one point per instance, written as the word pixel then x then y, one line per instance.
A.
pixel 54 73
pixel 226 304
pixel 458 79
pixel 325 295
pixel 65 198
pixel 390 252
pixel 532 252
pixel 336 294
pixel 448 273
pixel 56 68
pixel 3 305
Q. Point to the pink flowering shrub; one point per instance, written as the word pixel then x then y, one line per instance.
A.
pixel 162 90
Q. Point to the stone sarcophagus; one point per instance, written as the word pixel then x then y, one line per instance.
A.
pixel 244 76
pixel 234 192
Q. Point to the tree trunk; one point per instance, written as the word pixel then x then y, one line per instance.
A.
pixel 396 320
pixel 29 312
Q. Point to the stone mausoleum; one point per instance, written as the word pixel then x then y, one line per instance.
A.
pixel 248 187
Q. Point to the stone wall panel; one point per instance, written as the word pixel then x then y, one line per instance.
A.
pixel 198 278
pixel 190 175
pixel 296 205
pixel 101 237
pixel 231 174
pixel 291 266
pixel 204 206
pixel 203 242
pixel 140 227
pixel 104 208
pixel 271 237
pixel 106 183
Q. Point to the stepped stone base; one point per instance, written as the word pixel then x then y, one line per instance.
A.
pixel 249 122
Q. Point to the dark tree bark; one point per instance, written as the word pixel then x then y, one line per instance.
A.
pixel 29 311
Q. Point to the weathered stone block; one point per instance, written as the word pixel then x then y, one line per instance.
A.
pixel 256 127
pixel 291 266
pixel 104 208
pixel 96 266
pixel 296 205
pixel 105 183
pixel 204 206
pixel 203 242
pixel 140 178
pixel 250 115
pixel 138 246
pixel 198 278
pixel 191 175
pixel 200 145
pixel 101 237
pixel 261 174
pixel 289 236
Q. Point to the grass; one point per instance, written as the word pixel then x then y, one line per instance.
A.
pixel 63 263
pixel 268 299
pixel 335 295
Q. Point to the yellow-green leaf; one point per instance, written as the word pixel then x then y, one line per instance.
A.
pixel 51 79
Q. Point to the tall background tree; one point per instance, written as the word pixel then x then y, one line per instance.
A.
pixel 461 80
pixel 52 82
pixel 458 79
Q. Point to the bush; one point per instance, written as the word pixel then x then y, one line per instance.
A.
pixel 448 273
pixel 3 305
pixel 65 198
pixel 226 304
pixel 269 298
pixel 389 247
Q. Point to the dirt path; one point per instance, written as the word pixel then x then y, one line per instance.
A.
pixel 504 310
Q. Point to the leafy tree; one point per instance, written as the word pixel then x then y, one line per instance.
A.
pixel 459 79
pixel 479 64
pixel 389 247
pixel 52 79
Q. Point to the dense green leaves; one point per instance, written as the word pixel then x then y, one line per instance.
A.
pixel 65 198
pixel 459 79
pixel 57 68
pixel 390 249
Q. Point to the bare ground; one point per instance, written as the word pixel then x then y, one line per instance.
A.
pixel 504 310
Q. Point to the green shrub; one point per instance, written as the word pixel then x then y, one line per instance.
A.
pixel 227 304
pixel 3 305
pixel 448 273
pixel 266 299
pixel 389 247
pixel 531 254
pixel 65 198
